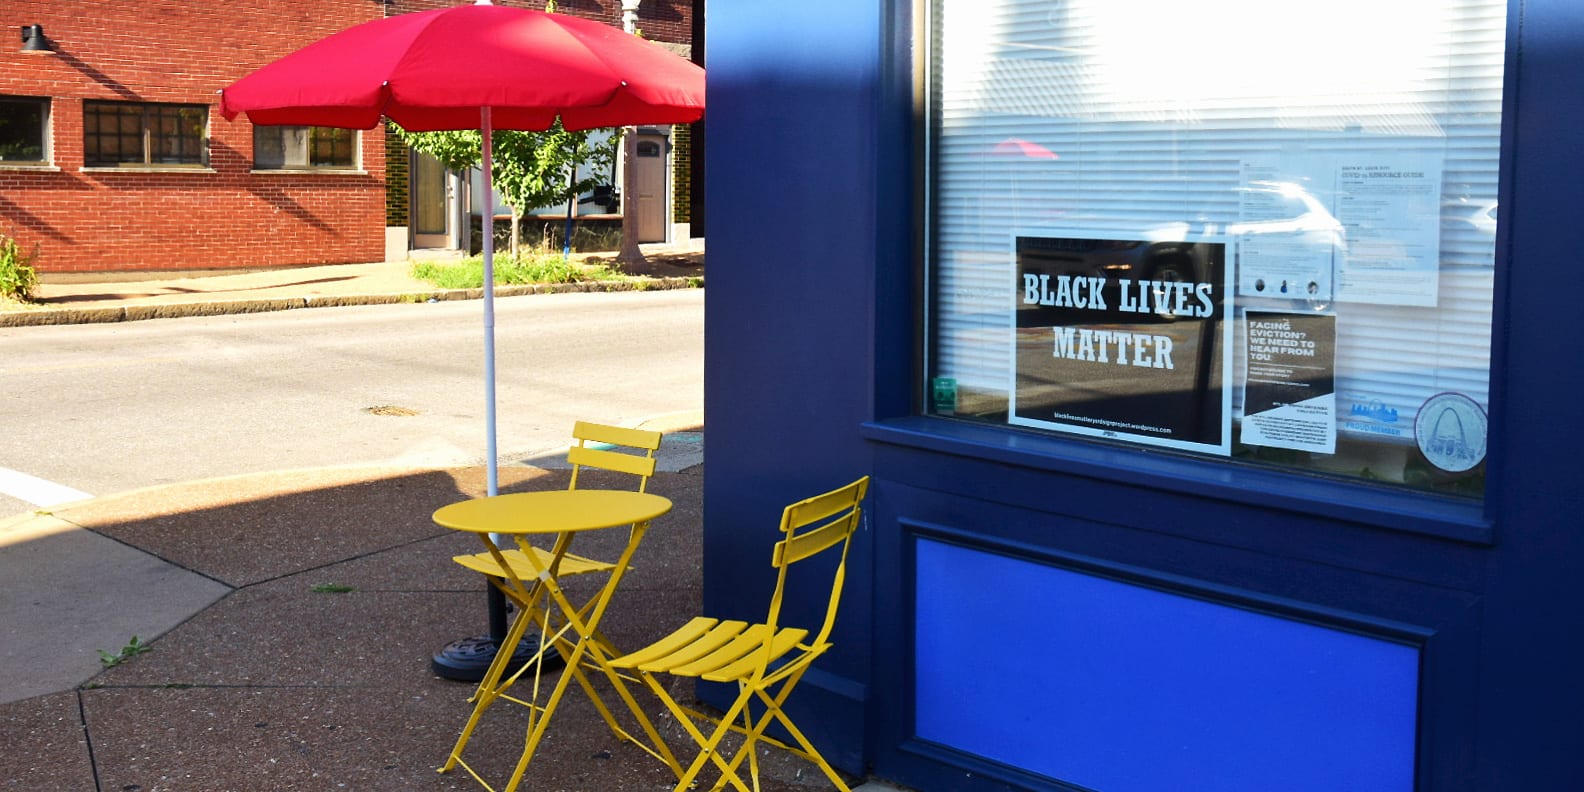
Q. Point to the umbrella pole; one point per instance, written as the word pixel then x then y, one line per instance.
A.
pixel 496 600
pixel 489 306
pixel 469 658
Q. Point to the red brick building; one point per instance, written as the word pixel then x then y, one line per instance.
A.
pixel 113 155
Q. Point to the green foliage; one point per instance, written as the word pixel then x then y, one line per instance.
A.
pixel 535 168
pixel 458 150
pixel 531 169
pixel 17 277
pixel 533 268
pixel 133 648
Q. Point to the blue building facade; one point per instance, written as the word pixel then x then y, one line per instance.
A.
pixel 1221 436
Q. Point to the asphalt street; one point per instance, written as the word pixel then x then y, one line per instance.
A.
pixel 107 408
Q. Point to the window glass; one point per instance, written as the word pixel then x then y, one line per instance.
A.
pixel 23 122
pixel 139 133
pixel 1221 232
pixel 332 148
pixel 302 147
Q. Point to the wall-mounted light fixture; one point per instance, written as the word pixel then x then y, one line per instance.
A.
pixel 33 40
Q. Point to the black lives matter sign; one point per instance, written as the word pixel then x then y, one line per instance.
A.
pixel 1123 339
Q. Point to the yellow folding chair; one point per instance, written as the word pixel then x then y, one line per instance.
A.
pixel 766 660
pixel 597 447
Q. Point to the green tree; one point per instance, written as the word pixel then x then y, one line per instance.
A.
pixel 531 169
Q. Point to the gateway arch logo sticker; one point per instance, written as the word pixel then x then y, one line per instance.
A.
pixel 1450 430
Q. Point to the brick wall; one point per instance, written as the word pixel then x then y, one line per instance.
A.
pixel 658 20
pixel 221 216
pixel 397 196
pixel 681 173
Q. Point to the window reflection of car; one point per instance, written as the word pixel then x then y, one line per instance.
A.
pixel 1289 210
pixel 1476 216
pixel 1283 223
pixel 1469 226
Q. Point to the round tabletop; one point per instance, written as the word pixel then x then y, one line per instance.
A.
pixel 553 511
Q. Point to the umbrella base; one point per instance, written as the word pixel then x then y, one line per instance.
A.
pixel 467 659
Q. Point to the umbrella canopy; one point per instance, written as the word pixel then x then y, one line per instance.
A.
pixel 434 70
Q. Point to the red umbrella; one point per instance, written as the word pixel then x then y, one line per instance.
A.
pixel 482 67
pixel 479 67
pixel 435 70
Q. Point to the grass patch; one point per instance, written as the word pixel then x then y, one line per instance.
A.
pixel 533 268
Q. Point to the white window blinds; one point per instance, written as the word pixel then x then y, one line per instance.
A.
pixel 1145 120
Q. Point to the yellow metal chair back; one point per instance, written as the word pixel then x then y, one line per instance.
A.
pixel 596 448
pixel 766 660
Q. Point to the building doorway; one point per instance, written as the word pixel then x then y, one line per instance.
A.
pixel 434 204
pixel 649 181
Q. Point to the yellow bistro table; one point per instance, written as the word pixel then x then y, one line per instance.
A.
pixel 557 516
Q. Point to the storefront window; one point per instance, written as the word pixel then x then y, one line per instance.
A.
pixel 1214 229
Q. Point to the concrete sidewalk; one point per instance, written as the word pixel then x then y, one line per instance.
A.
pixel 79 299
pixel 288 620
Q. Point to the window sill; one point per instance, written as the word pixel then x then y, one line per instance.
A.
pixel 308 172
pixel 148 169
pixel 1412 512
pixel 36 167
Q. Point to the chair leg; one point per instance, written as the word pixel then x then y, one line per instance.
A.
pixel 488 688
pixel 773 709
pixel 710 750
pixel 602 651
pixel 750 744
pixel 756 732
pixel 707 745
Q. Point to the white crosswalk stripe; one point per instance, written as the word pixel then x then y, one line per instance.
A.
pixel 35 490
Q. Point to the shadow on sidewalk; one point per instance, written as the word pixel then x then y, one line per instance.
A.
pixel 285 684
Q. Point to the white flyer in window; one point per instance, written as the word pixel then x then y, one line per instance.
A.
pixel 1390 212
pixel 1286 235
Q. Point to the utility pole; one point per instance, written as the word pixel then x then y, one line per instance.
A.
pixel 630 256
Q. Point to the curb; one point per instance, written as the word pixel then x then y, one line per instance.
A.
pixel 132 313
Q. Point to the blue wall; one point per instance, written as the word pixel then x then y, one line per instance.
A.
pixel 792 213
pixel 1531 693
pixel 810 370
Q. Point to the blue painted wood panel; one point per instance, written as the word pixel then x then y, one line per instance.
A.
pixel 1123 688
